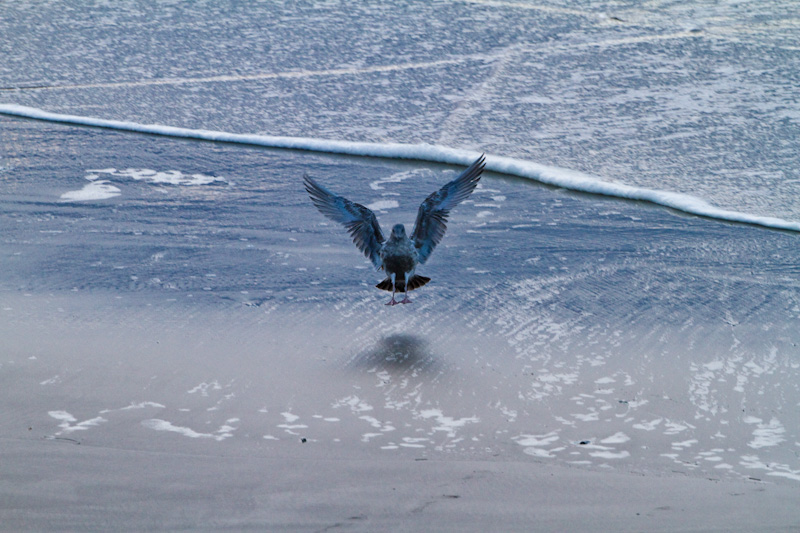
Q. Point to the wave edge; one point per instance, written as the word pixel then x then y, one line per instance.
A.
pixel 554 176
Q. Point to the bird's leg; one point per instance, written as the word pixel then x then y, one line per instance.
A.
pixel 394 288
pixel 405 299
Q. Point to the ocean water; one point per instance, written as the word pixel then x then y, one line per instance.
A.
pixel 698 99
pixel 594 304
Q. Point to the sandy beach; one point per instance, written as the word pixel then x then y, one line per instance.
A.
pixel 187 344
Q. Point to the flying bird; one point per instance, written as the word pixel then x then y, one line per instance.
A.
pixel 400 254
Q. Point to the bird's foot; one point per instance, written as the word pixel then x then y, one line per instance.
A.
pixel 405 300
pixel 392 301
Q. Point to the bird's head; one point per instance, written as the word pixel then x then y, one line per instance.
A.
pixel 398 231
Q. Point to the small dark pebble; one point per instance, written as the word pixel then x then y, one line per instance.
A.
pixel 584 442
pixel 303 440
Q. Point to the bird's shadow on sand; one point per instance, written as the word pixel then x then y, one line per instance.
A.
pixel 398 354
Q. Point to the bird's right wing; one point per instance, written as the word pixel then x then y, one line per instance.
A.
pixel 359 220
pixel 432 215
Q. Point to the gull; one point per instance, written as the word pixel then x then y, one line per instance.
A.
pixel 399 255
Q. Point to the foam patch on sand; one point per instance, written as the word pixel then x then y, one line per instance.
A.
pixel 96 190
pixel 103 189
pixel 67 420
pixel 225 431
pixel 168 177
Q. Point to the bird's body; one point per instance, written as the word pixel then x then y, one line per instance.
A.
pixel 400 254
pixel 399 258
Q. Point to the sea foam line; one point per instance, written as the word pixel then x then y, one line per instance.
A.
pixel 558 177
pixel 255 76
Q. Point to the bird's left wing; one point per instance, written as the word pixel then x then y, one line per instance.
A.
pixel 432 215
pixel 359 220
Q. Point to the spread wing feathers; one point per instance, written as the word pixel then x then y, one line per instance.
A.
pixel 359 220
pixel 432 215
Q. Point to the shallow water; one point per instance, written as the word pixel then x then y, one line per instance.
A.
pixel 696 99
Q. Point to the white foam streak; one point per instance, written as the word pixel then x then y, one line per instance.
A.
pixel 95 190
pixel 558 177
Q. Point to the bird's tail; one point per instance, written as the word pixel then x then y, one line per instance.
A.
pixel 415 282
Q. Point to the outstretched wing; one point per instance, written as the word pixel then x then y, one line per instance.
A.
pixel 359 220
pixel 432 216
